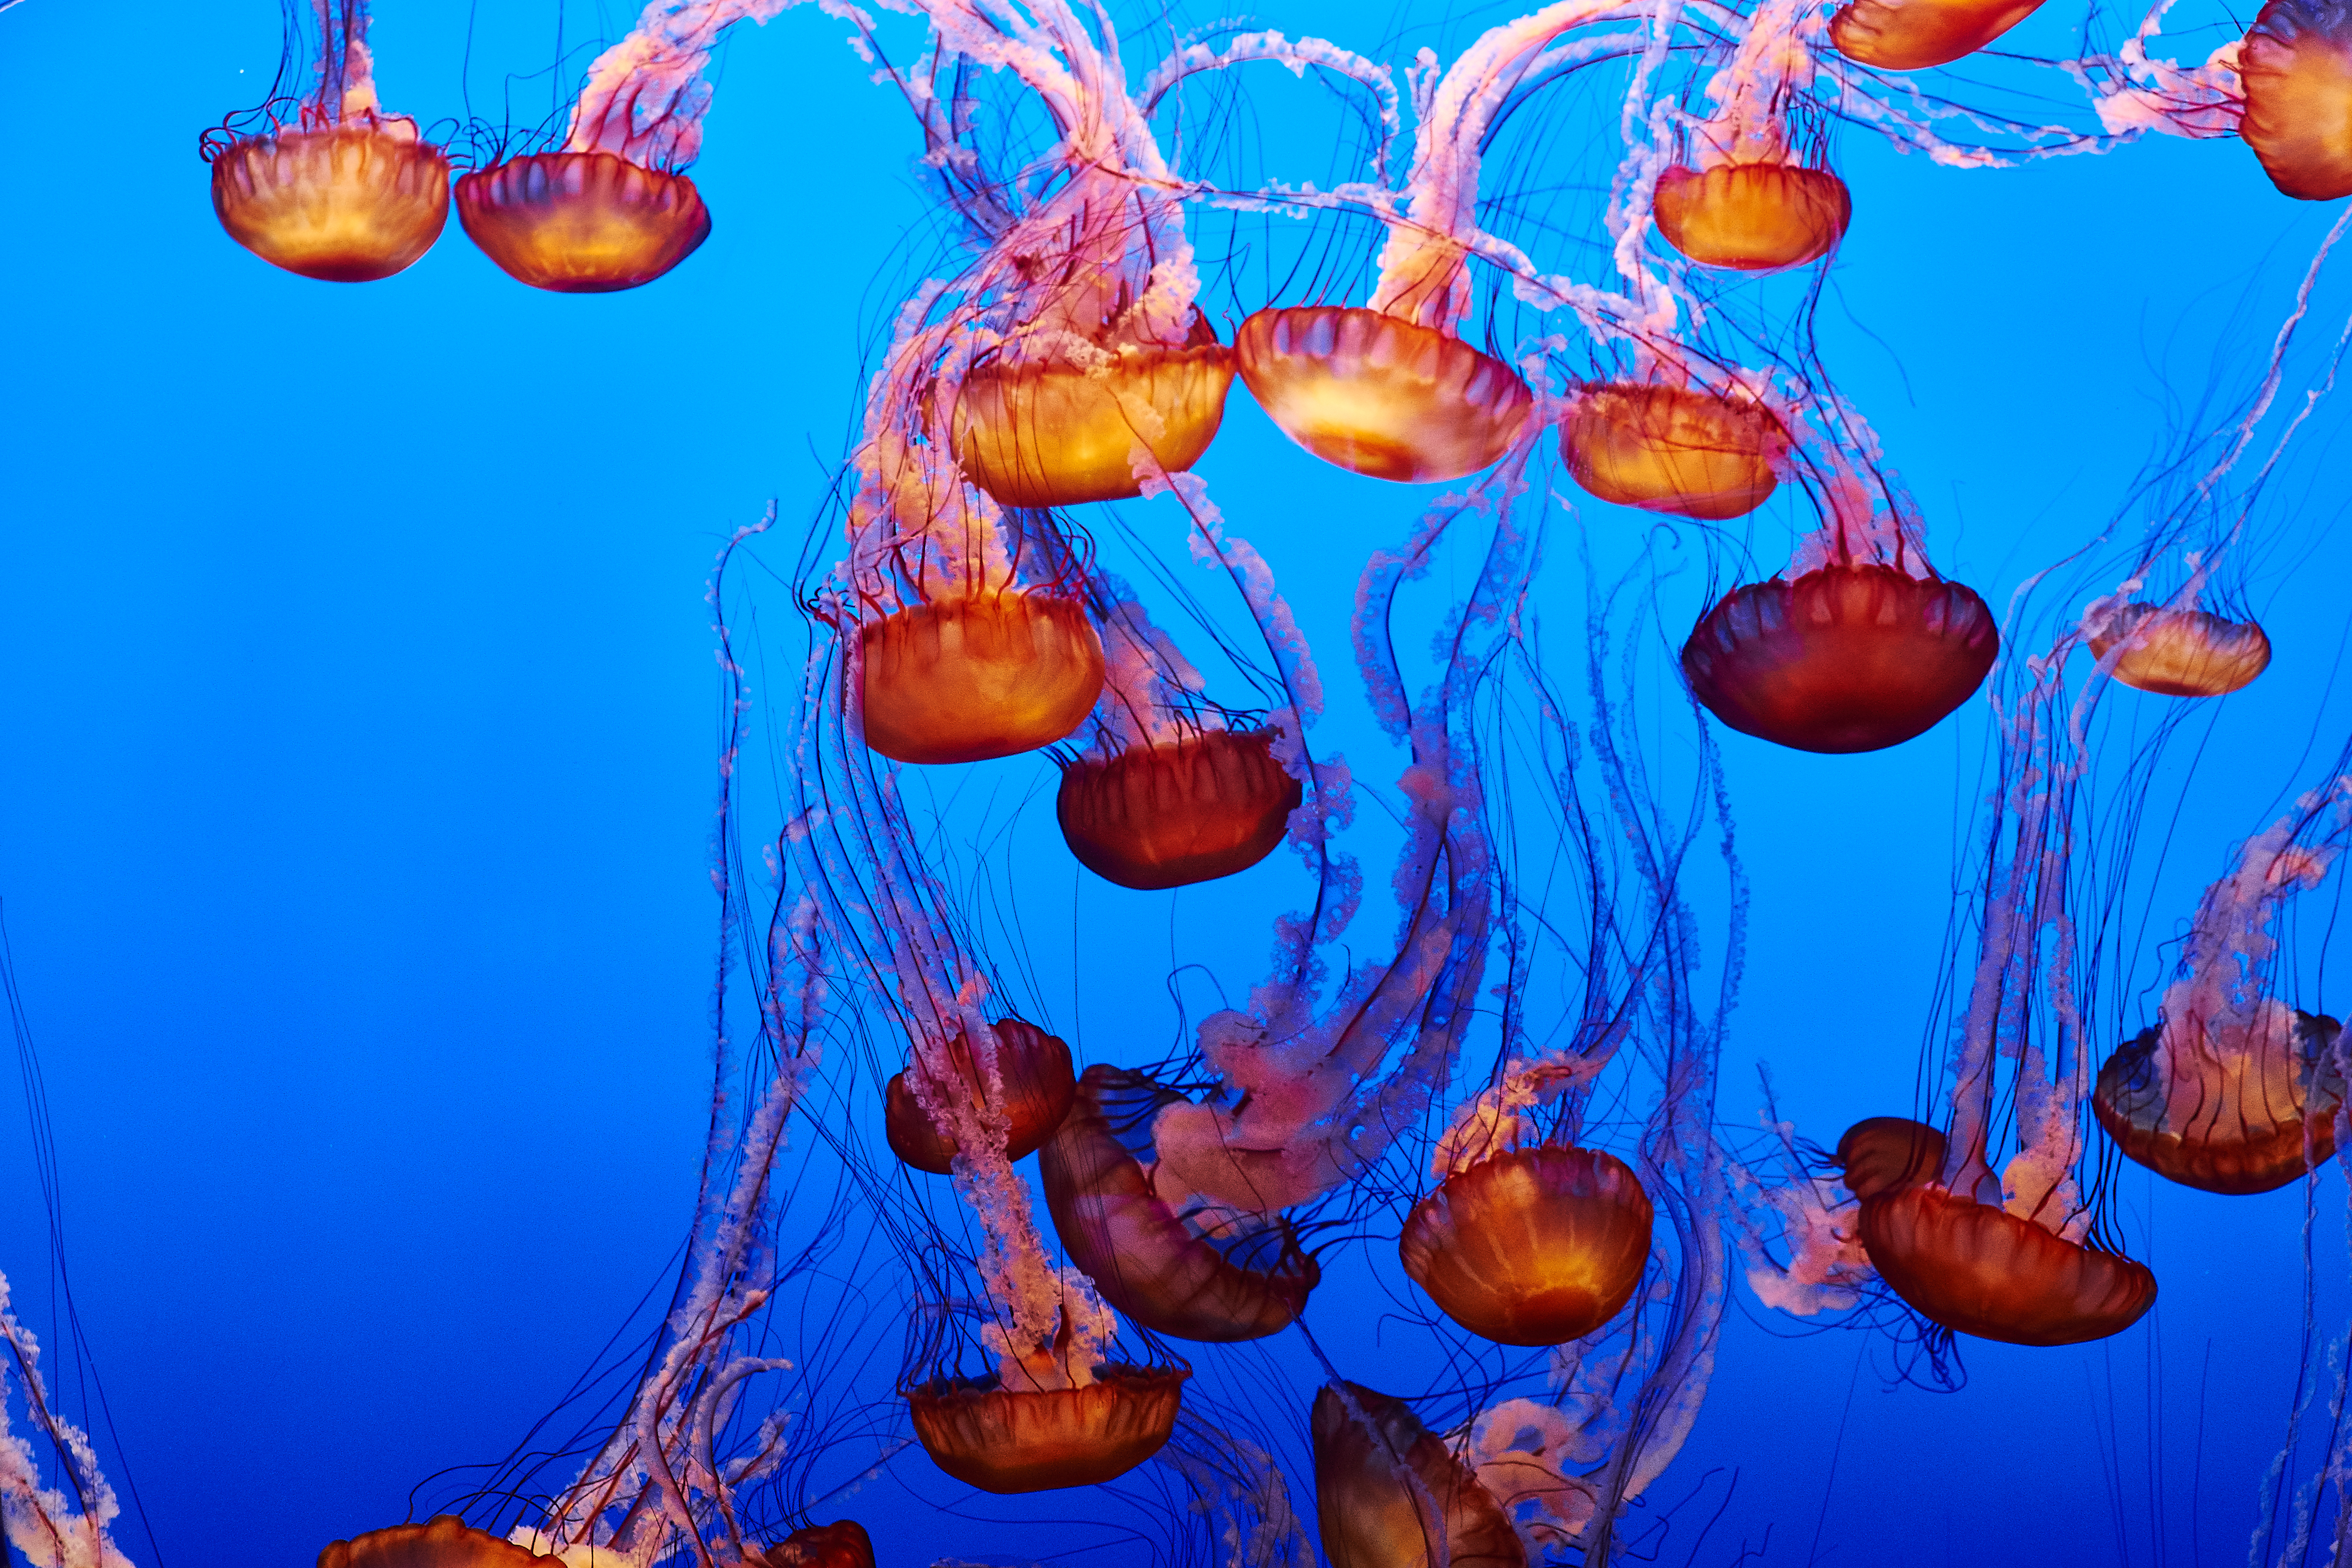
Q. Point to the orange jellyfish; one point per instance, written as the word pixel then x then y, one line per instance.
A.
pixel 609 209
pixel 1038 1087
pixel 841 1544
pixel 2296 70
pixel 1981 1270
pixel 1194 1269
pixel 1171 813
pixel 1531 1247
pixel 963 680
pixel 1673 448
pixel 1390 1494
pixel 2182 653
pixel 1007 1440
pixel 1912 35
pixel 350 194
pixel 1850 657
pixel 444 1541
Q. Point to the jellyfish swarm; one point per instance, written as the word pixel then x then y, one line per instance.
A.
pixel 841 1544
pixel 2296 70
pixel 1912 35
pixel 1531 1247
pixel 1169 812
pixel 1034 1068
pixel 1194 1270
pixel 988 675
pixel 1390 1494
pixel 2234 1115
pixel 349 195
pixel 1673 448
pixel 2182 653
pixel 446 1541
pixel 1050 430
pixel 1850 657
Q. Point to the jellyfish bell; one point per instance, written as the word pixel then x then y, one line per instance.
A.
pixel 2182 653
pixel 1978 1269
pixel 1851 657
pixel 1008 1440
pixel 1047 431
pixel 1886 1153
pixel 348 203
pixel 1531 1247
pixel 444 1541
pixel 1912 35
pixel 582 222
pixel 1038 1087
pixel 1389 1493
pixel 1751 217
pixel 988 675
pixel 2247 1114
pixel 841 1544
pixel 2296 70
pixel 1167 814
pixel 1186 1269
pixel 1379 394
pixel 1673 448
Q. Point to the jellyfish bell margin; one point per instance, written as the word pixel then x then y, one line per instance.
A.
pixel 1387 1490
pixel 1751 217
pixel 1244 1280
pixel 2182 653
pixel 444 1541
pixel 348 203
pixel 2296 70
pixel 1173 813
pixel 1913 34
pixel 1848 657
pixel 1531 1247
pixel 989 674
pixel 1673 448
pixel 582 223
pixel 1379 394
pixel 1979 1270
pixel 1038 1087
pixel 1008 1440
pixel 2249 1122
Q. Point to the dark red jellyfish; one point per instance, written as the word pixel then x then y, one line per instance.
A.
pixel 1978 1269
pixel 1847 658
pixel 347 194
pixel 1531 1247
pixel 2182 652
pixel 1912 35
pixel 963 680
pixel 841 1544
pixel 1671 449
pixel 2296 68
pixel 1171 813
pixel 1007 1440
pixel 446 1541
pixel 1175 1263
pixel 1390 1494
pixel 1885 1154
pixel 1038 1088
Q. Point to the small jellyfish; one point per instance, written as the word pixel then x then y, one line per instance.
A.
pixel 349 194
pixel 1531 1247
pixel 1887 1153
pixel 446 1541
pixel 987 675
pixel 1671 449
pixel 1912 35
pixel 1389 1493
pixel 1979 1269
pixel 2182 653
pixel 1850 657
pixel 1196 1270
pixel 2296 70
pixel 841 1544
pixel 1038 1088
pixel 1171 813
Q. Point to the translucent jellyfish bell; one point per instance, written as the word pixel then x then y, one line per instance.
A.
pixel 1038 1085
pixel 344 203
pixel 1390 1494
pixel 1912 35
pixel 1753 217
pixel 582 223
pixel 2247 1118
pixel 1008 1440
pixel 1982 1270
pixel 1178 812
pixel 2296 68
pixel 1673 448
pixel 2182 653
pixel 446 1541
pixel 961 680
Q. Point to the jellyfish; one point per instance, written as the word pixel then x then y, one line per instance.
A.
pixel 611 209
pixel 1748 205
pixel 844 1543
pixel 347 194
pixel 1857 645
pixel 2182 653
pixel 2234 1091
pixel 1912 35
pixel 1680 449
pixel 445 1541
pixel 1177 812
pixel 1390 1494
pixel 2297 71
pixel 1038 1090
